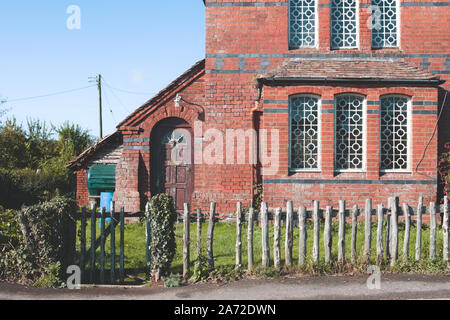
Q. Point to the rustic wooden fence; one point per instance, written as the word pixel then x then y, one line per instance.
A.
pixel 387 240
pixel 387 237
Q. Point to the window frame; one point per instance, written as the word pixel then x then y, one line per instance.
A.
pixel 398 26
pixel 316 28
pixel 409 135
pixel 364 144
pixel 357 46
pixel 319 133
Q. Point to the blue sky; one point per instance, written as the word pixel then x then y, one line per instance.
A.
pixel 138 46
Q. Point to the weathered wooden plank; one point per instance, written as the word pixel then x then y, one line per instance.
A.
pixel 289 239
pixel 186 241
pixel 112 226
pixel 93 237
pixel 199 232
pixel 276 239
pixel 122 246
pixel 102 246
pixel 238 236
pixel 380 214
pixel 433 227
pixel 210 237
pixel 148 237
pixel 327 238
pixel 406 213
pixel 388 230
pixel 251 224
pixel 341 239
pixel 302 236
pixel 394 231
pixel 316 220
pixel 368 230
pixel 445 230
pixel 83 244
pixel 355 213
pixel 265 235
pixel 419 229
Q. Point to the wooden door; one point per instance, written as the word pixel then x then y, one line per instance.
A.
pixel 174 167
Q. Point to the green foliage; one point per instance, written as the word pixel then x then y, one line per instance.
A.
pixel 10 235
pixel 444 169
pixel 13 146
pixel 201 272
pixel 174 281
pixel 50 277
pixel 269 272
pixel 162 220
pixel 48 233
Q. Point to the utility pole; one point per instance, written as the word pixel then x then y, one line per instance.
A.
pixel 98 80
pixel 100 109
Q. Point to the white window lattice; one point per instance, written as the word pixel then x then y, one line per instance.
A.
pixel 384 23
pixel 394 133
pixel 302 17
pixel 344 19
pixel 304 113
pixel 349 133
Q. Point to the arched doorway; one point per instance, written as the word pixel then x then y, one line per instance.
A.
pixel 172 169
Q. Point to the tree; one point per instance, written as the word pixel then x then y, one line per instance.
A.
pixel 13 146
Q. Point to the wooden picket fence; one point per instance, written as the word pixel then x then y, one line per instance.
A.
pixel 387 247
pixel 387 241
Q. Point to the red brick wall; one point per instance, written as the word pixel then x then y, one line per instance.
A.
pixel 82 190
pixel 245 39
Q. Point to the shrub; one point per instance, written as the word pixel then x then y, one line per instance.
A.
pixel 444 169
pixel 46 246
pixel 162 220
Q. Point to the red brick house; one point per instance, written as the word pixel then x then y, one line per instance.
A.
pixel 348 99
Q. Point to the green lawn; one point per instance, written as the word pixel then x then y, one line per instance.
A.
pixel 224 248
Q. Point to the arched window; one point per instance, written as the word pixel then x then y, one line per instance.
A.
pixel 350 133
pixel 385 23
pixel 304 133
pixel 302 23
pixel 395 131
pixel 344 24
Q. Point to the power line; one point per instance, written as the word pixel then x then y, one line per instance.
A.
pixel 46 95
pixel 127 91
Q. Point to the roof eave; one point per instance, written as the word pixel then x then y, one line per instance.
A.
pixel 296 80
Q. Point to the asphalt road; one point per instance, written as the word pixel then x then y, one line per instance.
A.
pixel 300 288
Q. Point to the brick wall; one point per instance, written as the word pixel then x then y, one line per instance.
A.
pixel 82 190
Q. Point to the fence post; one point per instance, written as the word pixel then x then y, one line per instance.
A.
pixel 210 240
pixel 368 230
pixel 93 236
pixel 186 241
pixel 265 235
pixel 122 246
pixel 388 230
pixel 407 232
pixel 148 236
pixel 341 241
pixel 327 240
pixel 83 244
pixel 238 236
pixel 251 214
pixel 445 229
pixel 433 223
pixel 289 241
pixel 316 219
pixel 199 233
pixel 276 239
pixel 380 214
pixel 112 225
pixel 302 236
pixel 419 229
pixel 355 212
pixel 102 246
pixel 394 231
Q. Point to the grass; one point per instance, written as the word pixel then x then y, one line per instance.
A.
pixel 224 250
